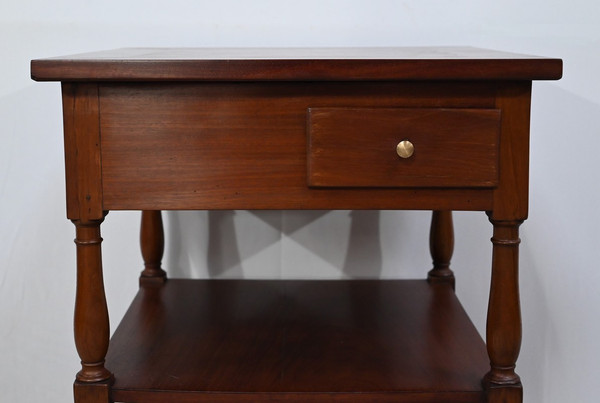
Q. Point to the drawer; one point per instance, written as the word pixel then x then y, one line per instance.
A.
pixel 357 147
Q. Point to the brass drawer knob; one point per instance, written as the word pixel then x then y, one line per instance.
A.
pixel 405 149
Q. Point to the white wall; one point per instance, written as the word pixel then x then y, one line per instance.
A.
pixel 560 248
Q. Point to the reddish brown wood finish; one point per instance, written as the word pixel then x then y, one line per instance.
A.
pixel 511 197
pixel 83 161
pixel 84 208
pixel 509 211
pixel 341 64
pixel 441 245
pixel 98 392
pixel 227 129
pixel 504 393
pixel 152 242
pixel 356 147
pixel 91 313
pixel 244 145
pixel 504 312
pixel 297 341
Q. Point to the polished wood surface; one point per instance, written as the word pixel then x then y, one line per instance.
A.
pixel 297 64
pixel 91 324
pixel 244 145
pixel 511 198
pixel 152 243
pixel 452 147
pixel 504 312
pixel 83 160
pixel 297 341
pixel 97 392
pixel 441 246
pixel 156 129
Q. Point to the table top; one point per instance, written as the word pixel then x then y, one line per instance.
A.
pixel 296 64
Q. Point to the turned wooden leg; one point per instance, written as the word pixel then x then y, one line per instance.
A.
pixel 91 315
pixel 152 242
pixel 441 245
pixel 504 316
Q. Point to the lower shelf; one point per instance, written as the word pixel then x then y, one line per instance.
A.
pixel 297 341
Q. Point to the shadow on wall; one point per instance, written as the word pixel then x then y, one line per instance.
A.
pixel 364 257
pixel 215 244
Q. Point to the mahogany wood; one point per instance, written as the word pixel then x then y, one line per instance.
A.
pixel 504 313
pixel 504 393
pixel 297 64
pixel 91 313
pixel 511 197
pixel 98 392
pixel 356 147
pixel 152 242
pixel 297 341
pixel 441 245
pixel 228 129
pixel 82 152
pixel 244 145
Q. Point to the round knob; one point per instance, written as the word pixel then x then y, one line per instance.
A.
pixel 405 149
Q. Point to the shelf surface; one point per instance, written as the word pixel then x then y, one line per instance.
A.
pixel 276 340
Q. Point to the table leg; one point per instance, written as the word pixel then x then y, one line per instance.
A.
pixel 92 392
pixel 441 245
pixel 504 316
pixel 152 242
pixel 91 316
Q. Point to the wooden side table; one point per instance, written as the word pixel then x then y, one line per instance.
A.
pixel 440 129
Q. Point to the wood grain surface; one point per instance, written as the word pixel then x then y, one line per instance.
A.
pixel 157 129
pixel 244 145
pixel 356 147
pixel 296 64
pixel 353 341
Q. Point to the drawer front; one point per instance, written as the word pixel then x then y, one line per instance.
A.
pixel 198 146
pixel 357 147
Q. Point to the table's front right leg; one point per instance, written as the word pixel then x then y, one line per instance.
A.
pixel 502 384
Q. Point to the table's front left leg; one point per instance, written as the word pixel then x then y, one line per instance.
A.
pixel 85 208
pixel 91 316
